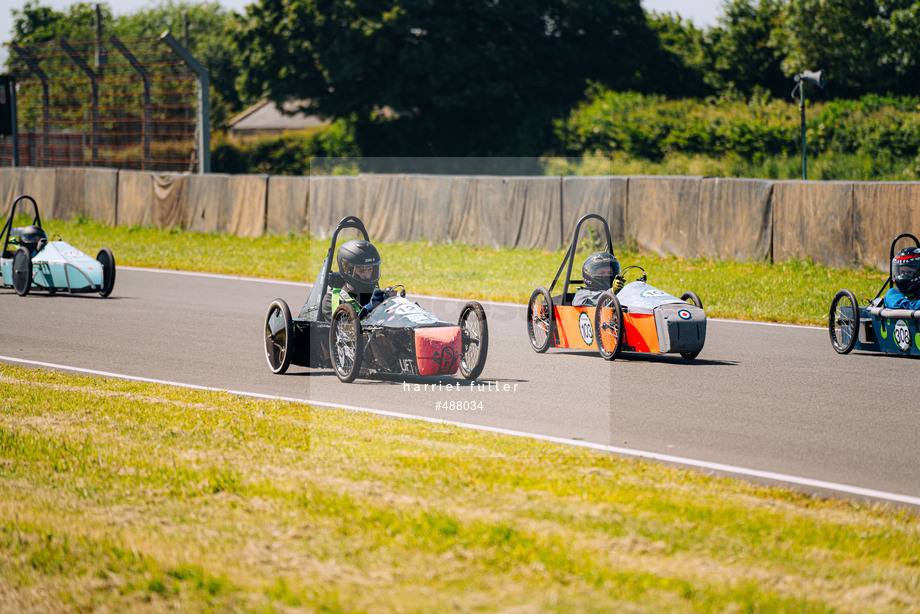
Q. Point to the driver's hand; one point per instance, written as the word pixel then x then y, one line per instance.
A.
pixel 618 282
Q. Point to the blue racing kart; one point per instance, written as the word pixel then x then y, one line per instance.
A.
pixel 30 261
pixel 874 327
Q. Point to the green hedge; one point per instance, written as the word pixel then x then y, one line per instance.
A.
pixel 288 154
pixel 651 127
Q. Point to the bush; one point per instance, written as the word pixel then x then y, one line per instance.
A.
pixel 288 154
pixel 652 127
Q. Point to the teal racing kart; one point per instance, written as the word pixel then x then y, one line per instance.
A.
pixel 29 261
pixel 874 327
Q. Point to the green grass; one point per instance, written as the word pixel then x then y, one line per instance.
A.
pixel 118 496
pixel 795 291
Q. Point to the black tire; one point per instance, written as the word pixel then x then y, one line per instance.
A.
pixel 107 260
pixel 540 320
pixel 475 330
pixel 279 336
pixel 22 271
pixel 608 326
pixel 843 322
pixel 691 297
pixel 346 347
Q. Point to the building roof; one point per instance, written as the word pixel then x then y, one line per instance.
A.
pixel 264 116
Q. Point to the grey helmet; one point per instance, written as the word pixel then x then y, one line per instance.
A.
pixel 359 265
pixel 599 270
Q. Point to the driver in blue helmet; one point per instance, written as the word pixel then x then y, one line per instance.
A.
pixel 359 265
pixel 600 273
pixel 905 275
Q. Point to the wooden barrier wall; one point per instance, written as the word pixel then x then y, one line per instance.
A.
pixel 841 224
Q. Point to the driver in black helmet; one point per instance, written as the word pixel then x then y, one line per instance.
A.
pixel 359 266
pixel 33 238
pixel 600 272
pixel 905 273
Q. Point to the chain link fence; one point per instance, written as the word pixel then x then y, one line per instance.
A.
pixel 125 104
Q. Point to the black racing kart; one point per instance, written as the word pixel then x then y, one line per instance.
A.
pixel 396 337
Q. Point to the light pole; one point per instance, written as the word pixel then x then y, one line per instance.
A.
pixel 815 78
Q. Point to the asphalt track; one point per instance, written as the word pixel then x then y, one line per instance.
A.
pixel 770 403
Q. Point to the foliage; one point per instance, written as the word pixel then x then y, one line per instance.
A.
pixel 288 154
pixel 454 78
pixel 211 37
pixel 653 127
pixel 211 40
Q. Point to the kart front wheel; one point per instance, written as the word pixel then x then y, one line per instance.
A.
pixel 475 331
pixel 22 271
pixel 540 319
pixel 843 322
pixel 691 297
pixel 279 336
pixel 107 260
pixel 608 325
pixel 345 344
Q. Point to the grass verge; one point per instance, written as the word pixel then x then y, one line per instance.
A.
pixel 122 496
pixel 796 291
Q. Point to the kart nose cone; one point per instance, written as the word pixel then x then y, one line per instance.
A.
pixel 437 350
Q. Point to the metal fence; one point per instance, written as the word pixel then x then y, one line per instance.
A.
pixel 126 104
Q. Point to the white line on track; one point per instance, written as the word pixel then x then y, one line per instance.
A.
pixel 732 469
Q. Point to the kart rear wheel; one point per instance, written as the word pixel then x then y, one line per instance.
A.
pixel 345 344
pixel 540 320
pixel 279 336
pixel 475 331
pixel 843 322
pixel 691 297
pixel 22 271
pixel 608 326
pixel 107 260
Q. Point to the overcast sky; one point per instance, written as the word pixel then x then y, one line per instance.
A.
pixel 701 12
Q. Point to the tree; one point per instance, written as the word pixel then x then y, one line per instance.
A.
pixel 212 36
pixel 865 45
pixel 482 77
pixel 41 24
pixel 741 53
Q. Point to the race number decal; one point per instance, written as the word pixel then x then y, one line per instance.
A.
pixel 587 330
pixel 902 335
pixel 653 293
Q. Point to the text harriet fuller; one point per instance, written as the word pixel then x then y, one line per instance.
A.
pixel 478 386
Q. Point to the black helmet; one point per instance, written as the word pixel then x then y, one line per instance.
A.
pixel 30 237
pixel 905 270
pixel 599 270
pixel 359 264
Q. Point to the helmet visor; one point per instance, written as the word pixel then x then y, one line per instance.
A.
pixel 905 270
pixel 367 272
pixel 604 270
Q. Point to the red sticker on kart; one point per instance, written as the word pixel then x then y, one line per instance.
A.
pixel 684 314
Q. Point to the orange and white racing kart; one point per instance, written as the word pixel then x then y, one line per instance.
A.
pixel 638 318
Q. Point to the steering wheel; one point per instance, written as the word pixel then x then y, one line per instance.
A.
pixel 641 278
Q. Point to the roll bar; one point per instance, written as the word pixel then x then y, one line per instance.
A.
pixel 570 255
pixel 8 227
